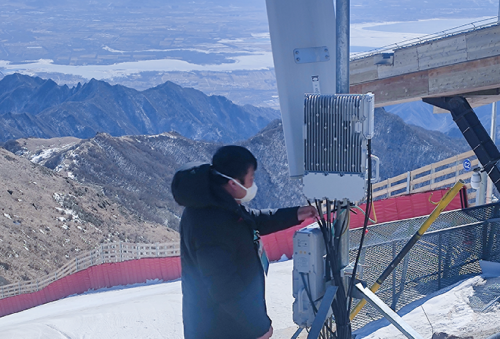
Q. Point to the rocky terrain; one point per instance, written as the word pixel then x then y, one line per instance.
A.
pixel 47 218
pixel 34 107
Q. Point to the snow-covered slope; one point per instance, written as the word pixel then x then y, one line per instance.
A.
pixel 153 310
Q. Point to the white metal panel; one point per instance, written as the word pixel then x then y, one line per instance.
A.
pixel 334 187
pixel 300 24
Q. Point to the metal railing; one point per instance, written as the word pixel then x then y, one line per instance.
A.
pixel 441 174
pixel 449 252
pixel 105 253
pixel 473 26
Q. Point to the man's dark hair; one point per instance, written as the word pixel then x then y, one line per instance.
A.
pixel 233 161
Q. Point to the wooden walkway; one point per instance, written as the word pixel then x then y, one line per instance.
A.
pixel 464 63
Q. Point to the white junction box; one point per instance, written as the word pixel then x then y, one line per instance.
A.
pixel 308 261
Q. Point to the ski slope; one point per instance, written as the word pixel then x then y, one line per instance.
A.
pixel 153 310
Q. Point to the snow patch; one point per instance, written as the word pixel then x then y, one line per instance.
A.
pixel 45 154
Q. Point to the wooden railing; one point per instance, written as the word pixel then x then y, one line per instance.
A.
pixel 441 174
pixel 105 253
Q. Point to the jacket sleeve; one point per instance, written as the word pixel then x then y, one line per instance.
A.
pixel 215 257
pixel 274 220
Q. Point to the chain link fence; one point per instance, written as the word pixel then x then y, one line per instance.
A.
pixel 447 253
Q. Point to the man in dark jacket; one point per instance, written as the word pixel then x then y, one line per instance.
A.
pixel 222 271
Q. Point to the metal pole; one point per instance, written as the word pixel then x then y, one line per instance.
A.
pixel 342 87
pixel 481 192
pixel 493 134
pixel 343 36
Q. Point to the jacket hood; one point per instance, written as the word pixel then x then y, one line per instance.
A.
pixel 192 186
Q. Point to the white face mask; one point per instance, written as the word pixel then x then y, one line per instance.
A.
pixel 251 192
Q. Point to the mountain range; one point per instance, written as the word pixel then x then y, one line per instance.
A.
pixel 34 107
pixel 136 171
pixel 421 114
pixel 109 187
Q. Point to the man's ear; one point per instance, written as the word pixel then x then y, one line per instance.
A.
pixel 232 188
pixel 232 185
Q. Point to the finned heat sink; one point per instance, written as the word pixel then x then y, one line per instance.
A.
pixel 336 130
pixel 334 139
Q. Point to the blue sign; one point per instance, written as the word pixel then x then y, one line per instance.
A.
pixel 467 165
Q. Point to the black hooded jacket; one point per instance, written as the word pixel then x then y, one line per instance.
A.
pixel 222 277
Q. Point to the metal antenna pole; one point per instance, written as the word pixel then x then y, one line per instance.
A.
pixel 343 36
pixel 342 84
pixel 343 22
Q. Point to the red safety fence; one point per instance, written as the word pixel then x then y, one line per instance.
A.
pixel 169 268
pixel 96 277
pixel 397 208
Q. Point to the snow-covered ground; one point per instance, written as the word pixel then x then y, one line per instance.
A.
pixel 446 311
pixel 153 310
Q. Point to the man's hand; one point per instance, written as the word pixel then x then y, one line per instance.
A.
pixel 306 212
pixel 268 334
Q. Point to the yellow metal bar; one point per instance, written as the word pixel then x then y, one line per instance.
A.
pixel 445 201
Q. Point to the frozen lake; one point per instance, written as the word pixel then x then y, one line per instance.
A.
pixel 239 54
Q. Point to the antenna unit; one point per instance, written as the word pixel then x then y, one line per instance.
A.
pixel 336 130
pixel 303 43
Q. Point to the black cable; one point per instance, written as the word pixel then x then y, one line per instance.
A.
pixel 365 225
pixel 308 292
pixel 309 296
pixel 332 244
pixel 342 320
